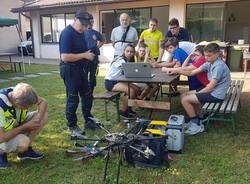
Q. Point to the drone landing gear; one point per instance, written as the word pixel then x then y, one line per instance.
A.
pixel 120 151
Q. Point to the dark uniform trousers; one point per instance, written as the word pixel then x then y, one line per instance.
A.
pixel 92 69
pixel 76 83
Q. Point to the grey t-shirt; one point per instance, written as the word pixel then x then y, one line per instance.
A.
pixel 115 68
pixel 116 35
pixel 220 72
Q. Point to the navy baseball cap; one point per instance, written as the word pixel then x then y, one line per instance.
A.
pixel 84 17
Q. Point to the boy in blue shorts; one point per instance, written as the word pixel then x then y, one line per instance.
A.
pixel 219 81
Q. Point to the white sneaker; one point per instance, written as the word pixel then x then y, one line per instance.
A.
pixel 202 127
pixel 193 129
pixel 187 125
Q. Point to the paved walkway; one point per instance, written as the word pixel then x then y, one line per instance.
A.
pixel 39 74
pixel 31 60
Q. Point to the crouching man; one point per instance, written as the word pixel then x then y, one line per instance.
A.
pixel 18 127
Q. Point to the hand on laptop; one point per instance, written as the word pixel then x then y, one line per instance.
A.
pixel 153 64
pixel 169 71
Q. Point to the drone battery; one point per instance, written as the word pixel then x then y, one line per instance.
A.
pixel 175 132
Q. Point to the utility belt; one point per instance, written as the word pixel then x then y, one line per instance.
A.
pixel 76 63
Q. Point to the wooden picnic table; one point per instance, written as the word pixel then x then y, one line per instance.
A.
pixel 159 78
pixel 9 61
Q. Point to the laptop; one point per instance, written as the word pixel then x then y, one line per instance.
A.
pixel 137 70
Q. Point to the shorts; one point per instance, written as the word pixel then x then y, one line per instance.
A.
pixel 207 97
pixel 11 145
pixel 109 84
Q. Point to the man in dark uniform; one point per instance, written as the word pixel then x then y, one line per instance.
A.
pixel 94 41
pixel 73 70
pixel 176 31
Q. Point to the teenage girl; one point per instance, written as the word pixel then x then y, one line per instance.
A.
pixel 116 71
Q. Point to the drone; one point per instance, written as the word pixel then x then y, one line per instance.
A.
pixel 136 146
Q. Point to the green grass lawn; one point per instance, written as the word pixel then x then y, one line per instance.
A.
pixel 212 157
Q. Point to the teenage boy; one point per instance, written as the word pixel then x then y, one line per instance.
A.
pixel 219 81
pixel 193 61
pixel 176 31
pixel 152 37
pixel 179 55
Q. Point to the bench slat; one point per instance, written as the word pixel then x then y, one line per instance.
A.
pixel 211 107
pixel 237 99
pixel 106 95
pixel 205 106
pixel 216 107
pixel 231 101
pixel 228 96
pixel 149 104
pixel 233 96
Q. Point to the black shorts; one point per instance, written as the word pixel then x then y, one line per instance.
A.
pixel 109 84
pixel 207 97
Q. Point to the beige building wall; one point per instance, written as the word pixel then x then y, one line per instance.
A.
pixel 49 50
pixel 25 23
pixel 177 9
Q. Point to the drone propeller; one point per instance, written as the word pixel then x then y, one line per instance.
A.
pixel 98 122
pixel 147 152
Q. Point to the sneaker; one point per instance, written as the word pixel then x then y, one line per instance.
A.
pixel 126 114
pixel 187 125
pixel 202 128
pixel 192 121
pixel 4 164
pixel 90 124
pixel 193 129
pixel 76 131
pixel 30 154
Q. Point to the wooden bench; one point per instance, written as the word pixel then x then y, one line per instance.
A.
pixel 9 62
pixel 149 104
pixel 152 105
pixel 226 110
pixel 12 64
pixel 109 96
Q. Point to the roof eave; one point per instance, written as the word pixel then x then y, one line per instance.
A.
pixel 35 8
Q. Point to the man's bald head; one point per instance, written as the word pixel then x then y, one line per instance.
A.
pixel 124 20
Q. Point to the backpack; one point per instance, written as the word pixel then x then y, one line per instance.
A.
pixel 150 142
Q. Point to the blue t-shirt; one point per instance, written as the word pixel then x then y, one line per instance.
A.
pixel 182 36
pixel 91 38
pixel 180 55
pixel 72 42
pixel 220 72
